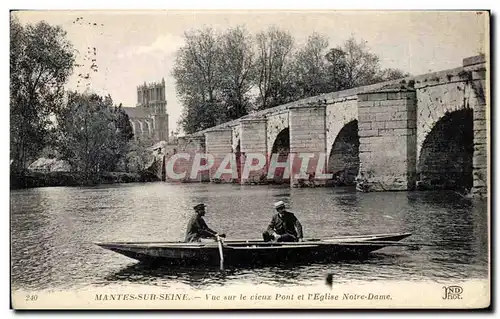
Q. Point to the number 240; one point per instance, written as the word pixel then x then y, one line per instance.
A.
pixel 31 297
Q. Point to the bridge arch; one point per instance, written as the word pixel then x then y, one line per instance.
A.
pixel 433 103
pixel 276 123
pixel 343 160
pixel 281 144
pixel 338 115
pixel 445 156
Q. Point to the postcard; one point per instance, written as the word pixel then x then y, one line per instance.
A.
pixel 256 159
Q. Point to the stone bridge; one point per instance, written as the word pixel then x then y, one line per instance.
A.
pixel 426 131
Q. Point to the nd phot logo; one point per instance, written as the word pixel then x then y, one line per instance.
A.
pixel 452 292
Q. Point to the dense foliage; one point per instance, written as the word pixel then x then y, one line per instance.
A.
pixel 93 134
pixel 223 76
pixel 41 61
pixel 86 130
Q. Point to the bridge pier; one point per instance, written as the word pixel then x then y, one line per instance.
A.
pixel 187 148
pixel 253 141
pixel 477 77
pixel 307 138
pixel 387 136
pixel 219 145
pixel 480 157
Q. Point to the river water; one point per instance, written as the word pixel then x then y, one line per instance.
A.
pixel 53 230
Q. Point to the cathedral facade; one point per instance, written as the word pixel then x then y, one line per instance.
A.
pixel 149 118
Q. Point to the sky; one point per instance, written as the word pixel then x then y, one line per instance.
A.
pixel 133 47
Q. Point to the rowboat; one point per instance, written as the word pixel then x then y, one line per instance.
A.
pixel 240 252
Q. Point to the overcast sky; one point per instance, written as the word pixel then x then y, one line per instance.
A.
pixel 137 46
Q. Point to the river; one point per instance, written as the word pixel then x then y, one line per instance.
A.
pixel 53 230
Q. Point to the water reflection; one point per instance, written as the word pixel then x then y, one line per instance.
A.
pixel 53 230
pixel 283 275
pixel 195 277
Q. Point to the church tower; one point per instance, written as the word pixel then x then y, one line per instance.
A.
pixel 151 99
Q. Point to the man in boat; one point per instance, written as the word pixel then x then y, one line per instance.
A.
pixel 284 226
pixel 197 228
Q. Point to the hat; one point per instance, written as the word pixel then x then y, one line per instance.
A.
pixel 279 204
pixel 199 206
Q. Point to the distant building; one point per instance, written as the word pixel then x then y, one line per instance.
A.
pixel 149 118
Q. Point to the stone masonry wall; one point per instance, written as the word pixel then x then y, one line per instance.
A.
pixel 480 156
pixel 387 133
pixel 448 91
pixel 160 127
pixel 477 80
pixel 308 135
pixel 275 124
pixel 219 144
pixel 253 140
pixel 438 93
pixel 438 96
pixel 338 114
pixel 189 146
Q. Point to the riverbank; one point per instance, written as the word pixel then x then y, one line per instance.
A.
pixel 32 179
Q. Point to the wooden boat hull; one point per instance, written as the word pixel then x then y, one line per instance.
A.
pixel 238 252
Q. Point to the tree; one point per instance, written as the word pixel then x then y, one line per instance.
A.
pixel 273 67
pixel 92 138
pixel 41 61
pixel 236 61
pixel 139 154
pixel 122 123
pixel 310 67
pixel 197 115
pixel 391 74
pixel 336 69
pixel 215 74
pixel 199 59
pixel 197 77
pixel 361 66
pixel 354 65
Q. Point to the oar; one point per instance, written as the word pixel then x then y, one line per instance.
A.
pixel 221 253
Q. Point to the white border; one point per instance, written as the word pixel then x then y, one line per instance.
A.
pixel 191 4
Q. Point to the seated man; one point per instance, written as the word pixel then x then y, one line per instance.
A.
pixel 284 226
pixel 197 228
